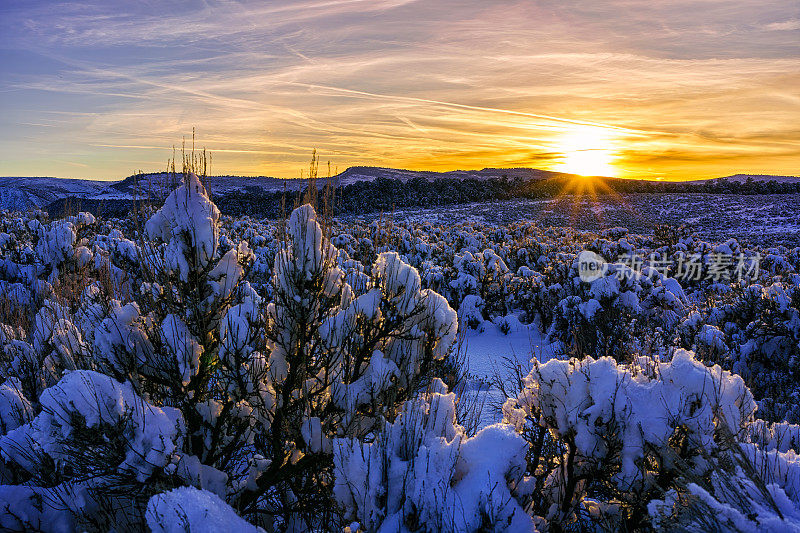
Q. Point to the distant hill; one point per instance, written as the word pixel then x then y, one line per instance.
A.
pixel 758 178
pixel 22 193
pixel 355 174
pixel 160 184
pixel 742 178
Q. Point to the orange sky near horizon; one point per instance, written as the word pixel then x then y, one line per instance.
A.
pixel 634 89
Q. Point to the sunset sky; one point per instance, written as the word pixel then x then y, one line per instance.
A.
pixel 660 89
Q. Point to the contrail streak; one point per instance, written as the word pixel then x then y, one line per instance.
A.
pixel 551 118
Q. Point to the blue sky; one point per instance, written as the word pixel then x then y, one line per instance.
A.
pixel 668 89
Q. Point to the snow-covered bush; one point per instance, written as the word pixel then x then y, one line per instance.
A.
pixel 93 454
pixel 423 473
pixel 649 444
pixel 484 274
pixel 754 330
pixel 338 363
pixel 623 312
pixel 190 509
pixel 200 381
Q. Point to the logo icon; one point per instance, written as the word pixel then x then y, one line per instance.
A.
pixel 591 266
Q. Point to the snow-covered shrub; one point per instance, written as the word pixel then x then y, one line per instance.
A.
pixel 339 363
pixel 57 346
pixel 197 380
pixel 190 509
pixel 484 274
pixel 754 330
pixel 15 408
pixel 96 448
pixel 537 293
pixel 631 444
pixel 753 490
pixel 470 312
pixel 768 354
pixel 621 313
pixel 422 473
pixel 671 234
pixel 60 245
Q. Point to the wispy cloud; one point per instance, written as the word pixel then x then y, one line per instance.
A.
pixel 784 25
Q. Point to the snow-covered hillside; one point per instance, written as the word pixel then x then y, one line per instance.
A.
pixel 356 174
pixel 743 178
pixel 23 193
pixel 756 178
pixel 159 185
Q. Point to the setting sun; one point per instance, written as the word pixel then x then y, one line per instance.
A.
pixel 587 150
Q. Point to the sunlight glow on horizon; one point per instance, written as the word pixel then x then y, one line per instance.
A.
pixel 588 151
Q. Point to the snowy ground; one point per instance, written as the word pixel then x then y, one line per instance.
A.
pixel 492 353
pixel 766 220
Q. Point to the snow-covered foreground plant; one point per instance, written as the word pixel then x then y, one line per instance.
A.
pixel 755 330
pixel 423 473
pixel 201 382
pixel 652 444
pixel 621 313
